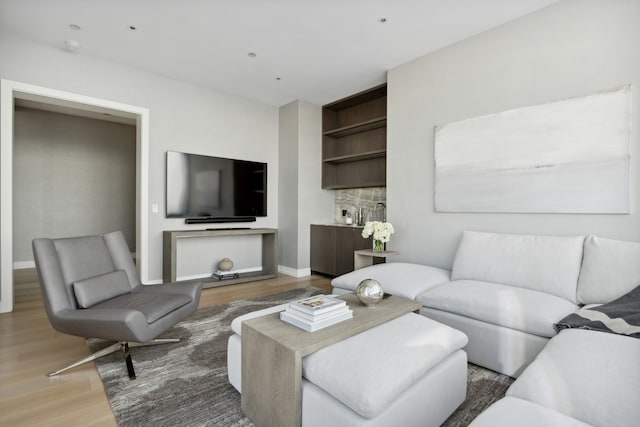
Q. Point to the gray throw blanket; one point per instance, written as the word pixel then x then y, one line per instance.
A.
pixel 620 316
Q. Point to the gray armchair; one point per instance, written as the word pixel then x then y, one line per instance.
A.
pixel 91 289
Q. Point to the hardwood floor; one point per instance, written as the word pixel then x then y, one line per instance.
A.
pixel 30 347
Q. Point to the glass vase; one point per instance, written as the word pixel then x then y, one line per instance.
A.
pixel 378 246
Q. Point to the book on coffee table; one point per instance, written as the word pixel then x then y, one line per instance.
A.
pixel 293 317
pixel 317 317
pixel 318 304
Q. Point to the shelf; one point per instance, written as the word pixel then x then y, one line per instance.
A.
pixel 355 157
pixel 211 282
pixel 354 140
pixel 358 98
pixel 376 123
pixel 347 186
pixel 269 254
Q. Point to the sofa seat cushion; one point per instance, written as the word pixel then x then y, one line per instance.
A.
pixel 397 278
pixel 549 264
pixel 368 371
pixel 610 269
pixel 509 412
pixel 516 308
pixel 153 306
pixel 591 376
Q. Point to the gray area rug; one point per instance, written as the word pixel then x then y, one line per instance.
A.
pixel 185 384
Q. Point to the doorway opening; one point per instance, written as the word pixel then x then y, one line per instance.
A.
pixel 12 93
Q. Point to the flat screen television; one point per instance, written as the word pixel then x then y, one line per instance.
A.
pixel 215 189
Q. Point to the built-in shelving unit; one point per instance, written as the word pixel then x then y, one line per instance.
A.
pixel 269 254
pixel 378 122
pixel 354 140
pixel 373 154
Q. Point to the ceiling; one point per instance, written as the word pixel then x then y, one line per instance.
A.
pixel 315 50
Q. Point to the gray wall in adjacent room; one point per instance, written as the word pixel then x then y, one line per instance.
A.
pixel 570 49
pixel 72 176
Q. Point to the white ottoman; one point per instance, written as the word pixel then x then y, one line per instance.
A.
pixel 410 371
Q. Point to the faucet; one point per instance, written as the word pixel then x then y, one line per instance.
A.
pixel 384 211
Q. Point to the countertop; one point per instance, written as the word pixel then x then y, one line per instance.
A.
pixel 337 224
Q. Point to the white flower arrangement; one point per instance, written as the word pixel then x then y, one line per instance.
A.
pixel 381 232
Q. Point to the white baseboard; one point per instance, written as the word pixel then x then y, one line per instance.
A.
pixel 21 265
pixel 301 272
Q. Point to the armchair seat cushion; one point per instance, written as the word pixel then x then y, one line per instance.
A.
pixel 94 290
pixel 521 309
pixel 153 305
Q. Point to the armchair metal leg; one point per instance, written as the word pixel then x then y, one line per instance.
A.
pixel 107 350
pixel 124 346
pixel 157 341
pixel 127 360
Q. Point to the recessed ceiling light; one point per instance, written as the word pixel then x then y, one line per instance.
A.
pixel 71 45
pixel 382 20
pixel 252 55
pixel 75 27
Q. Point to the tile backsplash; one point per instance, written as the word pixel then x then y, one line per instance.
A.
pixel 366 198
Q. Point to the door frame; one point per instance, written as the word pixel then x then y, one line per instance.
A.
pixel 11 90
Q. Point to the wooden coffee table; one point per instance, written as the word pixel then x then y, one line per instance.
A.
pixel 272 353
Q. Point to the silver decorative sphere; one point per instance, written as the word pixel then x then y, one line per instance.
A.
pixel 369 292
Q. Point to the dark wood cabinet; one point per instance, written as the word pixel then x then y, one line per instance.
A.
pixel 332 248
pixel 354 140
pixel 323 246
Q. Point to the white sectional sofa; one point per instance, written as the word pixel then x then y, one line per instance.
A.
pixel 506 292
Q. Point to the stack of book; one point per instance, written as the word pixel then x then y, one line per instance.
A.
pixel 224 275
pixel 317 312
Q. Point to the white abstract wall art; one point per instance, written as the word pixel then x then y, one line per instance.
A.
pixel 568 156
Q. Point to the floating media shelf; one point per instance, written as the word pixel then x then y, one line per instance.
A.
pixel 269 254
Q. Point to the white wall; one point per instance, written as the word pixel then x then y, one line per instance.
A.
pixel 183 117
pixel 302 200
pixel 573 48
pixel 288 186
pixel 315 204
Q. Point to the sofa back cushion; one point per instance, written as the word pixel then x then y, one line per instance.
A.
pixel 548 264
pixel 610 269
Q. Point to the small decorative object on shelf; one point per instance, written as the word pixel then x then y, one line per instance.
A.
pixel 370 292
pixel 314 313
pixel 225 275
pixel 381 232
pixel 225 265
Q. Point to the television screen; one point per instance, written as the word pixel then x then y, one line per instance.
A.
pixel 205 186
